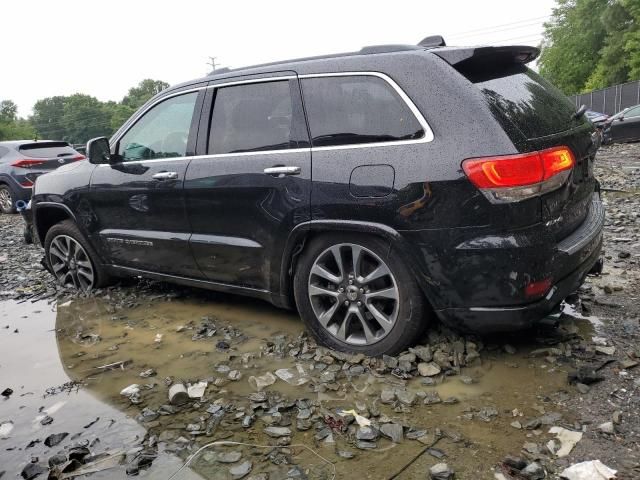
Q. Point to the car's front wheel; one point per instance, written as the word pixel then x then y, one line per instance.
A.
pixel 71 258
pixel 7 204
pixel 354 294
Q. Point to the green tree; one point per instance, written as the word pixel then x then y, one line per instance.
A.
pixel 139 94
pixel 571 41
pixel 47 117
pixel 85 117
pixel 119 114
pixel 8 111
pixel 590 44
pixel 12 127
pixel 78 118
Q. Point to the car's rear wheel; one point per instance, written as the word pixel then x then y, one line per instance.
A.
pixel 7 204
pixel 354 294
pixel 71 258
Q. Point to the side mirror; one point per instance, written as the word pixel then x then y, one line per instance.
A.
pixel 98 150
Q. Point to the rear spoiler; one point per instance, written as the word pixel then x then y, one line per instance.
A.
pixel 469 59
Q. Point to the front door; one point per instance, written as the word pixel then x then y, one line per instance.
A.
pixel 250 183
pixel 138 202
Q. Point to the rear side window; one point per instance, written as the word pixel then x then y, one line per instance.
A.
pixel 520 97
pixel 346 110
pixel 47 150
pixel 252 117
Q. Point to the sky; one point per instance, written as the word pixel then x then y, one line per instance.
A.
pixel 100 48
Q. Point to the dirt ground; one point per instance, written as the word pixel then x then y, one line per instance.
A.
pixel 482 406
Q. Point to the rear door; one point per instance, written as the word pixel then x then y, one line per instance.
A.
pixel 250 184
pixel 138 203
pixel 627 127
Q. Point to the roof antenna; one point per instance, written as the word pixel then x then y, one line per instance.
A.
pixel 433 41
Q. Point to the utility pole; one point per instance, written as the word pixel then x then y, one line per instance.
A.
pixel 212 62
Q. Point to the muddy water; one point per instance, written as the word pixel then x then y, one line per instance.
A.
pixel 90 334
pixel 30 363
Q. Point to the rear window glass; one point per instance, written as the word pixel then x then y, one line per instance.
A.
pixel 47 150
pixel 356 109
pixel 523 98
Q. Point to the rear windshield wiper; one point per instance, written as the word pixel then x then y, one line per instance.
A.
pixel 581 111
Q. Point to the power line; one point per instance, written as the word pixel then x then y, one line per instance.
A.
pixel 492 28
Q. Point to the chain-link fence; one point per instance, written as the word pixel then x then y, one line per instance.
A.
pixel 610 100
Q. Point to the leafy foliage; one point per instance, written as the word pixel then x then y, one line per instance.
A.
pixel 75 118
pixel 11 127
pixel 146 89
pixel 590 44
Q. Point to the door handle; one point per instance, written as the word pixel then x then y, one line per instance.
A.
pixel 165 176
pixel 282 171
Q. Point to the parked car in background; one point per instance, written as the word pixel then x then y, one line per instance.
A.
pixel 22 161
pixel 624 126
pixel 371 191
pixel 597 118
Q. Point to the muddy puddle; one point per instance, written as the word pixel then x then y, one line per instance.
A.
pixel 473 418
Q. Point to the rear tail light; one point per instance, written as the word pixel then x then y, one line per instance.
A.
pixel 24 163
pixel 77 158
pixel 512 178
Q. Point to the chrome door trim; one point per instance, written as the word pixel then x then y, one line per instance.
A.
pixel 140 113
pixel 428 133
pixel 426 138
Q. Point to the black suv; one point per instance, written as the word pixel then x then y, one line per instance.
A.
pixel 371 190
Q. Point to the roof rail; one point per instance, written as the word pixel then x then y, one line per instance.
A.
pixel 371 49
pixel 433 41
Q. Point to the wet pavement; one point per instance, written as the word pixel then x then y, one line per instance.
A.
pixel 94 350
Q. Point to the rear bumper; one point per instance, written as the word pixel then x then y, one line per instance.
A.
pixel 19 192
pixel 504 319
pixel 567 263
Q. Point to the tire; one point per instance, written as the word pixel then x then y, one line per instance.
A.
pixel 6 195
pixel 74 272
pixel 357 326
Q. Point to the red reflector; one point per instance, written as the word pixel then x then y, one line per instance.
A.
pixel 537 289
pixel 518 170
pixel 24 163
pixel 27 183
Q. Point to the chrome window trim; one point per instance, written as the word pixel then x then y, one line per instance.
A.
pixel 217 155
pixel 138 115
pixel 428 133
pixel 426 138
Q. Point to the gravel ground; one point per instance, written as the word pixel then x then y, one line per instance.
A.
pixel 606 410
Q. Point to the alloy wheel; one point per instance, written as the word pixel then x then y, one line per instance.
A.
pixel 6 202
pixel 353 294
pixel 70 263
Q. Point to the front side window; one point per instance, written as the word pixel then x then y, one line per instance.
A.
pixel 162 132
pixel 345 110
pixel 252 117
